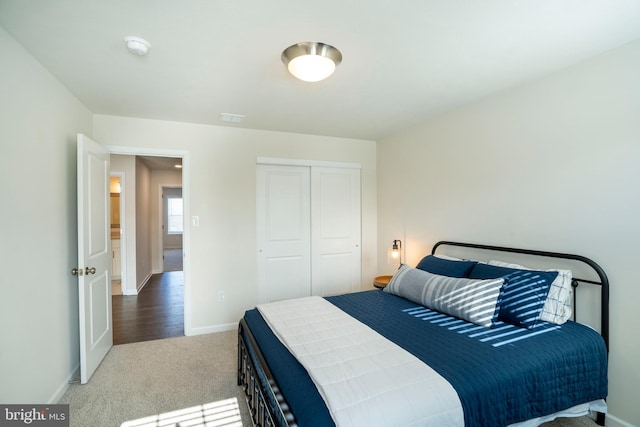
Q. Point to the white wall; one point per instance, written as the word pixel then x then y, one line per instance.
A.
pixel 219 187
pixel 552 165
pixel 143 224
pixel 39 120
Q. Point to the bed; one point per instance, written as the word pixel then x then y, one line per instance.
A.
pixel 425 358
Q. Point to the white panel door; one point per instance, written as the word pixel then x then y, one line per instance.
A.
pixel 94 256
pixel 283 228
pixel 336 230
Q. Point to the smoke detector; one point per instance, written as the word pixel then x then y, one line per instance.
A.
pixel 137 46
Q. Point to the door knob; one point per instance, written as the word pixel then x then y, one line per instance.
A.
pixel 81 272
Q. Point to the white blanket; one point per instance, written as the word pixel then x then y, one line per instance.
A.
pixel 364 379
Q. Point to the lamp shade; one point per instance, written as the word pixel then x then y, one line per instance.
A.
pixel 311 61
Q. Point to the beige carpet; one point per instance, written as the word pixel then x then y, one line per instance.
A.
pixel 155 377
pixel 157 383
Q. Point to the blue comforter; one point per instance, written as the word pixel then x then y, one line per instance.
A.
pixel 502 375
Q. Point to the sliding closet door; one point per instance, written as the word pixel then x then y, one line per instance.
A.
pixel 308 226
pixel 335 231
pixel 283 227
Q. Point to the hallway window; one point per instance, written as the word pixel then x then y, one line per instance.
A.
pixel 174 215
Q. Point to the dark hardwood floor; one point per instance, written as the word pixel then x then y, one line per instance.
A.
pixel 156 312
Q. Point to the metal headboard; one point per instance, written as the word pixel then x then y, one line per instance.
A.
pixel 603 283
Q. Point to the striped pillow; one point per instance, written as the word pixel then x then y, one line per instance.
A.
pixel 523 296
pixel 558 305
pixel 468 299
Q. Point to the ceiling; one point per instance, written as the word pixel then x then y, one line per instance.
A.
pixel 403 61
pixel 161 163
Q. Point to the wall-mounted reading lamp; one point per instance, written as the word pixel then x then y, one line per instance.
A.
pixel 396 252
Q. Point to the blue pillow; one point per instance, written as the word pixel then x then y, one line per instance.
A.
pixel 446 267
pixel 523 295
pixel 487 271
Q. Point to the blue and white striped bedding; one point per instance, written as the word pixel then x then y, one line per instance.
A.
pixel 501 334
pixel 502 375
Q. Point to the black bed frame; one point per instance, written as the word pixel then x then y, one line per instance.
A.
pixel 259 392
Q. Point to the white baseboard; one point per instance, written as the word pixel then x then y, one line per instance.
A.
pixel 613 421
pixel 74 375
pixel 211 329
pixel 144 282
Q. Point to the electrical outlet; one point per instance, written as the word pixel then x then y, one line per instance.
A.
pixel 220 296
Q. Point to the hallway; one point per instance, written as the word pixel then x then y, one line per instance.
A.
pixel 172 260
pixel 156 312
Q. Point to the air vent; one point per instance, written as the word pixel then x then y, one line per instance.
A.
pixel 232 118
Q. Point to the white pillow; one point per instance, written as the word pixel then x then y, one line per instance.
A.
pixel 450 258
pixel 473 300
pixel 557 307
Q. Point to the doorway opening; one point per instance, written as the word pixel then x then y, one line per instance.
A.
pixel 172 228
pixel 151 304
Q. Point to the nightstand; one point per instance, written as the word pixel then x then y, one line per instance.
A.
pixel 381 281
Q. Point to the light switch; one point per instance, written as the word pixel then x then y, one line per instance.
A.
pixel 195 221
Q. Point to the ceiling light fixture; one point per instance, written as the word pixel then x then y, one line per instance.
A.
pixel 311 61
pixel 137 46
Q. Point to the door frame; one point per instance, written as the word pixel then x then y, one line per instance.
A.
pixel 123 228
pixel 276 161
pixel 186 236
